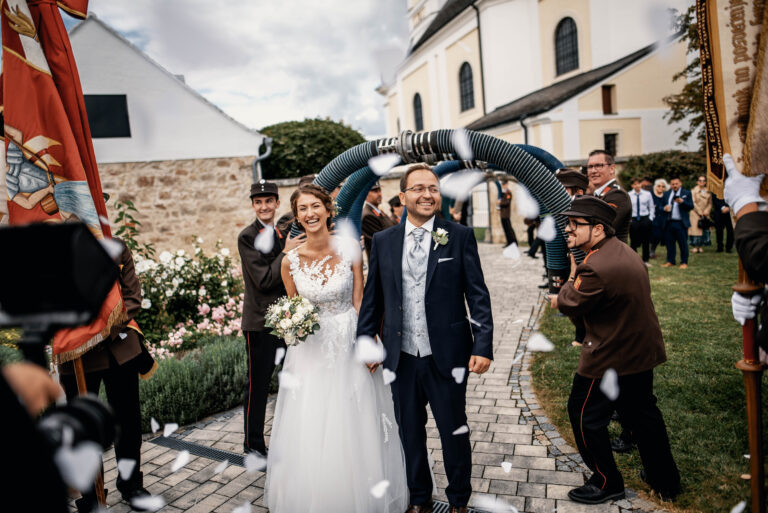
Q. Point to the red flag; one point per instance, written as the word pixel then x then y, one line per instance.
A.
pixel 50 173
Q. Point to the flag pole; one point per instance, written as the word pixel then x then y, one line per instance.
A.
pixel 98 482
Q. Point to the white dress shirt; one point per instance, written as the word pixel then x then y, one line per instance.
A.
pixel 644 201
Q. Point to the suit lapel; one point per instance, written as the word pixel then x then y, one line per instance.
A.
pixel 433 254
pixel 396 247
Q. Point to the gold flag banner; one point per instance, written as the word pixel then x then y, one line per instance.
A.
pixel 756 152
pixel 729 43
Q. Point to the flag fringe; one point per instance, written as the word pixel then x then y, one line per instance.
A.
pixel 117 316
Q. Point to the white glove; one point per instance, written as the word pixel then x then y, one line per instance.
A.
pixel 739 189
pixel 744 307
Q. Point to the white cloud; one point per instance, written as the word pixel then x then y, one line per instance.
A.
pixel 266 62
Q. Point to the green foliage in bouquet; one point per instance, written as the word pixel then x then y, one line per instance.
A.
pixel 292 318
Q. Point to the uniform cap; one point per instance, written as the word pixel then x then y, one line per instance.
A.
pixel 572 178
pixel 264 188
pixel 590 207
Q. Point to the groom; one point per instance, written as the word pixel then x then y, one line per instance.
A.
pixel 417 286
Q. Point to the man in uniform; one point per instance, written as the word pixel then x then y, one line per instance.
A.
pixel 601 171
pixel 611 290
pixel 263 286
pixel 505 204
pixel 374 220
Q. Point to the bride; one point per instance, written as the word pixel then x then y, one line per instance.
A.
pixel 334 441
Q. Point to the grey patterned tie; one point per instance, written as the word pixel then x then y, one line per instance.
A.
pixel 416 254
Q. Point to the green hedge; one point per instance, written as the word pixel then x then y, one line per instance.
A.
pixel 8 355
pixel 688 165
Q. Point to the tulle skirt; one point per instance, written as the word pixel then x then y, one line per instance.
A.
pixel 334 436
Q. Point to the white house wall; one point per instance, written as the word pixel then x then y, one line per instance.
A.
pixel 168 120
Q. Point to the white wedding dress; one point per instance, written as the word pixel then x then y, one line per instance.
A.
pixel 334 437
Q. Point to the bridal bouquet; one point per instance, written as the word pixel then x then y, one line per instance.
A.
pixel 293 319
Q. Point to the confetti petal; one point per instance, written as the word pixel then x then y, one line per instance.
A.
pixel 458 374
pixel 609 385
pixel 511 251
pixel 461 430
pixel 169 428
pixel 540 343
pixel 288 381
pixel 381 165
pixel 221 467
pixel 279 355
pixel 388 376
pixel 264 241
pixel 516 321
pixel 472 321
pixel 123 336
pixel 346 241
pixel 243 508
pixel 255 463
pixel 527 206
pixel 518 358
pixel 379 489
pixel 747 456
pixel 125 468
pixel 507 466
pixel 181 460
pixel 461 145
pixel 79 465
pixel 105 221
pixel 113 248
pixel 547 230
pixel 493 505
pixel 738 508
pixel 148 502
pixel 459 185
pixel 368 351
pixel 155 425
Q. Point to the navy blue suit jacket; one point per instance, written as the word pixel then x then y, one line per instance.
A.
pixel 685 207
pixel 453 275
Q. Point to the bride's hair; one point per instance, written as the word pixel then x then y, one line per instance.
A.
pixel 319 193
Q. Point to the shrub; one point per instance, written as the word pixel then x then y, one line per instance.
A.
pixel 304 147
pixel 9 355
pixel 665 164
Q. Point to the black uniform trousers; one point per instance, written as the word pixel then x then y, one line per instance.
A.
pixel 640 235
pixel 419 382
pixel 121 383
pixel 723 222
pixel 590 412
pixel 260 346
pixel 509 232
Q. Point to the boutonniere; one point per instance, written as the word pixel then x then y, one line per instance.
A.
pixel 440 236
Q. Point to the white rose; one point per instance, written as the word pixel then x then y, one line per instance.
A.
pixel 175 282
pixel 169 293
pixel 197 250
pixel 224 283
pixel 199 240
pixel 179 261
pixel 225 251
pixel 165 257
pixel 285 324
pixel 180 252
pixel 146 303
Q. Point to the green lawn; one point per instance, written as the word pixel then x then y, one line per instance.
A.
pixel 700 392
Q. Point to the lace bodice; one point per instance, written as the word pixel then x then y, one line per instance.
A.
pixel 328 288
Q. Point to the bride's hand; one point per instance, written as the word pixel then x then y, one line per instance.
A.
pixel 372 367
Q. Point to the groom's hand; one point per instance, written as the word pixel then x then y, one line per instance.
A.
pixel 479 364
pixel 372 367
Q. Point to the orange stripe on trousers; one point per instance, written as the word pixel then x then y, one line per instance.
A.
pixel 581 426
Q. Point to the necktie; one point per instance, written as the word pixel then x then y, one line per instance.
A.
pixel 637 203
pixel 417 254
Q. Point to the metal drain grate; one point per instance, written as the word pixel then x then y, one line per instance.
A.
pixel 237 459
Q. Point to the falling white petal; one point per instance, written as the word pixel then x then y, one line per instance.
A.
pixel 288 381
pixel 461 430
pixel 540 343
pixel 516 321
pixel 518 358
pixel 346 240
pixel 493 505
pixel 279 355
pixel 169 428
pixel 67 435
pixel 123 336
pixel 547 230
pixel 379 489
pixel 461 145
pixel 181 460
pixel 264 241
pixel 148 502
pixel 104 221
pixel 738 508
pixel 472 321
pixel 458 374
pixel 747 456
pixel 511 251
pixel 79 465
pixel 430 460
pixel 255 463
pixel 125 468
pixel 382 164
pixel 459 185
pixel 155 425
pixel 368 351
pixel 113 248
pixel 243 508
pixel 221 467
pixel 527 206
pixel 388 376
pixel 609 385
pixel 507 466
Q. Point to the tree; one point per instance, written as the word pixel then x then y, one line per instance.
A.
pixel 687 106
pixel 304 147
pixel 688 165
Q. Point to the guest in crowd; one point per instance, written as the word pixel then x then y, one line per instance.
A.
pixel 677 204
pixel 698 233
pixel 505 207
pixel 611 290
pixel 643 212
pixel 397 209
pixel 534 242
pixel 647 184
pixel 601 171
pixel 374 220
pixel 721 214
pixel 660 186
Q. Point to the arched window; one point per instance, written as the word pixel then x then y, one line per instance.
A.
pixel 566 46
pixel 466 87
pixel 418 118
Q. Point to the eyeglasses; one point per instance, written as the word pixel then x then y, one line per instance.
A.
pixel 419 189
pixel 597 166
pixel 572 225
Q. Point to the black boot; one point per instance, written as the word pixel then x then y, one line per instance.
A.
pixel 133 488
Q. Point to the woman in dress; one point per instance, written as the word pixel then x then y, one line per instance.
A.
pixel 660 186
pixel 698 233
pixel 334 442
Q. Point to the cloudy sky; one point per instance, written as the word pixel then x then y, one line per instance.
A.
pixel 267 61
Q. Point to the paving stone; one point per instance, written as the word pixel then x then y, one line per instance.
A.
pixel 565 506
pixel 556 477
pixel 530 450
pixel 538 505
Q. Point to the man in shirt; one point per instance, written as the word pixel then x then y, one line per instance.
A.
pixel 642 217
pixel 601 171
pixel 677 202
pixel 374 220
